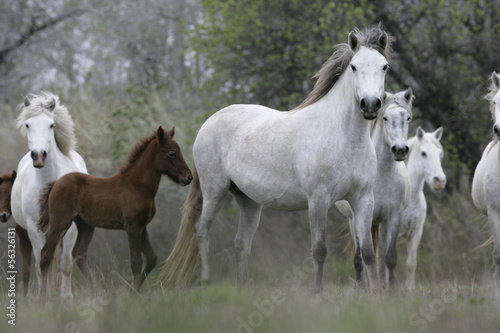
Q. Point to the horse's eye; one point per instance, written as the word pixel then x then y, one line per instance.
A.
pixel 386 67
pixel 385 118
pixel 27 126
pixel 51 125
pixel 409 118
pixel 353 68
pixel 171 154
pixel 424 154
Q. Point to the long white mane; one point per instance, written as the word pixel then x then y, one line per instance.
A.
pixel 49 104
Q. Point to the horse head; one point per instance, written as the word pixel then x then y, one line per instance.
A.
pixel 170 160
pixel 396 115
pixel 39 129
pixel 494 97
pixel 6 182
pixel 368 67
pixel 428 155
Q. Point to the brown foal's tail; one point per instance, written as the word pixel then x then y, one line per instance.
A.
pixel 181 262
pixel 43 225
pixel 43 201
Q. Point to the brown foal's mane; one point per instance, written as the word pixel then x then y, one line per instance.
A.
pixel 136 153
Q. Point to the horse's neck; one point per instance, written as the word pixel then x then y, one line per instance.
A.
pixel 417 178
pixel 143 173
pixel 339 111
pixel 385 158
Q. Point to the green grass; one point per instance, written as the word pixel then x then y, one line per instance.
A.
pixel 441 307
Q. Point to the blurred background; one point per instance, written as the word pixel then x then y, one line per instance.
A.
pixel 124 67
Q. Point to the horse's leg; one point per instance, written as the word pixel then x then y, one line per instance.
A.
pixel 391 256
pixel 53 236
pixel 85 233
pixel 134 242
pixel 150 255
pixel 318 215
pixel 26 249
pixel 382 253
pixel 247 226
pixel 68 243
pixel 362 224
pixel 411 261
pixel 37 243
pixel 211 207
pixel 494 222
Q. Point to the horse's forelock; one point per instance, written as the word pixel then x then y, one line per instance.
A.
pixel 372 37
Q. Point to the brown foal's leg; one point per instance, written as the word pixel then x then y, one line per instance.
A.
pixel 150 255
pixel 26 250
pixel 134 242
pixel 85 233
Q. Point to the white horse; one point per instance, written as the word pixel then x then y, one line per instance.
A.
pixel 307 158
pixel 486 182
pixel 51 142
pixel 392 185
pixel 424 166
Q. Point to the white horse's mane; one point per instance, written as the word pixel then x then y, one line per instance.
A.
pixel 64 127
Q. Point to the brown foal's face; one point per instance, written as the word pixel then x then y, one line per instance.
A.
pixel 170 159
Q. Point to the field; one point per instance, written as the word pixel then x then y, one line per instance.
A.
pixel 440 307
pixel 454 290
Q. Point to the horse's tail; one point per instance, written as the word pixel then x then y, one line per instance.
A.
pixel 44 213
pixel 486 243
pixel 375 236
pixel 349 248
pixel 43 225
pixel 181 262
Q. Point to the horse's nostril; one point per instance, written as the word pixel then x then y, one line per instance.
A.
pixel 362 104
pixel 407 149
pixel 378 104
pixel 33 155
pixel 393 149
pixel 190 178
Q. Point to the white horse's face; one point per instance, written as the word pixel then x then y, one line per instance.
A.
pixel 428 158
pixel 368 69
pixel 40 131
pixel 396 121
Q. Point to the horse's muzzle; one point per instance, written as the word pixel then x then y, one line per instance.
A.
pixel 4 216
pixel 438 184
pixel 370 107
pixel 38 158
pixel 186 181
pixel 400 153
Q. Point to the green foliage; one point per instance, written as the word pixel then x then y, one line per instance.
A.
pixel 265 52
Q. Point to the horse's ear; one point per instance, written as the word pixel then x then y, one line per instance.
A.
pixel 409 95
pixel 495 79
pixel 438 133
pixel 52 104
pixel 160 134
pixel 172 132
pixel 420 133
pixel 14 174
pixel 26 102
pixel 383 40
pixel 353 41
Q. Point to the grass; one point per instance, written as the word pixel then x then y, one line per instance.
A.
pixel 267 307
